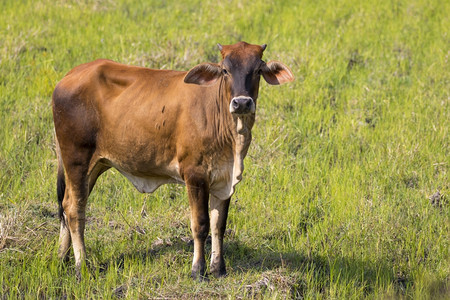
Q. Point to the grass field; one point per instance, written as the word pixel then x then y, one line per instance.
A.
pixel 346 188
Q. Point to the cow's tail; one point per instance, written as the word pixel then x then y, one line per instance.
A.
pixel 60 182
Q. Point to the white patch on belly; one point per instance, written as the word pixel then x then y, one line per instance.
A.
pixel 148 184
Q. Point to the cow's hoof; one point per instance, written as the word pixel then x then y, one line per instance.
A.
pixel 219 273
pixel 198 271
pixel 217 268
pixel 198 277
pixel 78 274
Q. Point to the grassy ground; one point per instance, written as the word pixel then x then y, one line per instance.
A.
pixel 346 187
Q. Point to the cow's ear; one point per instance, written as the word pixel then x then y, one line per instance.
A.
pixel 276 73
pixel 203 74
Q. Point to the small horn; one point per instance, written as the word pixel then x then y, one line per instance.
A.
pixel 219 46
pixel 263 46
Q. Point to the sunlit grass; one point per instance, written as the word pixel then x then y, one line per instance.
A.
pixel 335 201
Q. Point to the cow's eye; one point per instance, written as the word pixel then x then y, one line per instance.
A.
pixel 258 72
pixel 224 72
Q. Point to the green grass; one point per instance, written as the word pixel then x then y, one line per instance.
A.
pixel 335 201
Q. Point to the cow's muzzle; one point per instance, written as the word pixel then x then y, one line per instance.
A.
pixel 242 105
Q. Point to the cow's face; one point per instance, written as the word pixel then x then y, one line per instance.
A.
pixel 241 68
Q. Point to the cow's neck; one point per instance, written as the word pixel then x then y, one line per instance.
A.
pixel 238 132
pixel 242 135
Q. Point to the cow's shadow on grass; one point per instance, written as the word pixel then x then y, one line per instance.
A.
pixel 312 271
pixel 156 250
pixel 304 271
pixel 241 258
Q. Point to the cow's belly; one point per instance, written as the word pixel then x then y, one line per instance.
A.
pixel 148 183
pixel 222 186
pixel 223 177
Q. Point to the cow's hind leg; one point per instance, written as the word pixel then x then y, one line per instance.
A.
pixel 74 205
pixel 73 211
pixel 64 239
pixel 219 213
pixel 198 193
pixel 64 234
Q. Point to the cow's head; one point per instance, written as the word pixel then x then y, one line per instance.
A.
pixel 241 67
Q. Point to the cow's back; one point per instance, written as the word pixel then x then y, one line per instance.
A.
pixel 93 95
pixel 132 118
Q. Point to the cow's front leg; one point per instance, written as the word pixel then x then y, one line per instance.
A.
pixel 219 213
pixel 198 193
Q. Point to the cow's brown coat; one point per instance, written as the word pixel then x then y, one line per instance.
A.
pixel 157 127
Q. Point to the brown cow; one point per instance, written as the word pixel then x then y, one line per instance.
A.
pixel 157 127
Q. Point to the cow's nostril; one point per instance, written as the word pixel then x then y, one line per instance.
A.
pixel 242 105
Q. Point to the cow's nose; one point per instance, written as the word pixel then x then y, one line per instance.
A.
pixel 234 104
pixel 242 105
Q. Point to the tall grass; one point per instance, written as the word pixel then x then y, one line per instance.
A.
pixel 335 201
